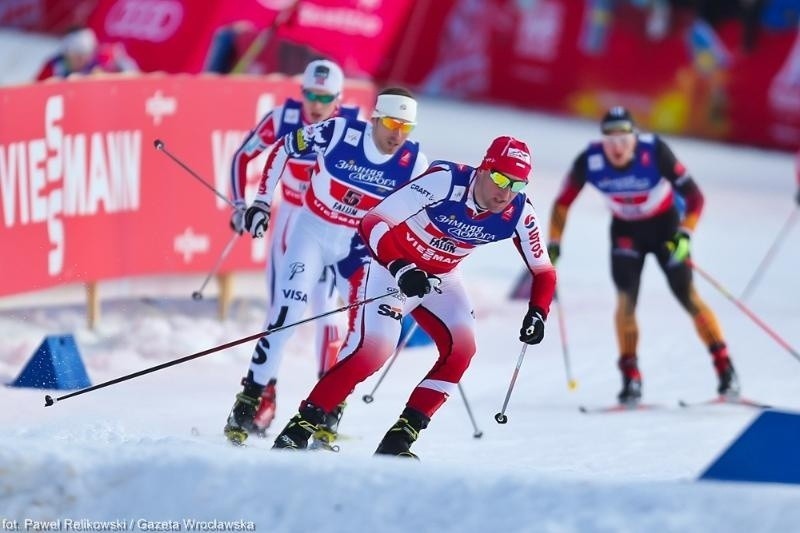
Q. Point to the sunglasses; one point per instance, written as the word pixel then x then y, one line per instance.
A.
pixel 618 139
pixel 394 124
pixel 504 182
pixel 321 98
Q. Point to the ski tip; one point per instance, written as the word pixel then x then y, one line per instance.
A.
pixel 583 409
pixel 726 400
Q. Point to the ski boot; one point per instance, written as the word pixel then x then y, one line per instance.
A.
pixel 631 392
pixel 328 430
pixel 402 434
pixel 301 428
pixel 728 380
pixel 241 418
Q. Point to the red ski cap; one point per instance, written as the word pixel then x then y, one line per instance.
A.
pixel 509 156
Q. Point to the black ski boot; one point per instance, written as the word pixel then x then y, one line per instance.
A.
pixel 728 380
pixel 240 421
pixel 328 430
pixel 402 434
pixel 631 392
pixel 301 427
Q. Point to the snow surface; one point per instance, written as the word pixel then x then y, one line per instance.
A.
pixel 151 449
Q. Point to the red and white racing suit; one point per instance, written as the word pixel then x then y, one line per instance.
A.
pixel 434 223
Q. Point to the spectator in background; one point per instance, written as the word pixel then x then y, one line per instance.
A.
pixel 80 53
pixel 242 48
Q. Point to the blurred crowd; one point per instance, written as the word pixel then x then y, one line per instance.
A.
pixel 240 47
pixel 80 53
pixel 754 15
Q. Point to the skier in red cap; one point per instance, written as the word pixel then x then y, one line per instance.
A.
pixel 417 236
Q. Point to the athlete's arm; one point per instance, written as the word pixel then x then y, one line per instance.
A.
pixel 570 188
pixel 677 174
pixel 528 240
pixel 258 140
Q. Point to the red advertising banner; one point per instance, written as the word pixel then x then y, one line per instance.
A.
pixel 161 35
pixel 362 35
pixel 85 196
pixel 687 78
pixel 175 35
pixel 52 16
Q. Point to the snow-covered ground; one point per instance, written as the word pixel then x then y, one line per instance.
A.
pixel 151 449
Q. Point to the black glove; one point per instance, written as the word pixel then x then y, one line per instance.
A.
pixel 797 197
pixel 256 219
pixel 411 280
pixel 554 251
pixel 532 331
pixel 237 216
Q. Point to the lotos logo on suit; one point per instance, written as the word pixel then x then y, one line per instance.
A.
pixel 530 221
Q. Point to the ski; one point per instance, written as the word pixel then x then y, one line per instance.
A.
pixel 619 408
pixel 194 431
pixel 726 400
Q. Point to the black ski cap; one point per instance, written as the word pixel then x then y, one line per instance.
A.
pixel 617 119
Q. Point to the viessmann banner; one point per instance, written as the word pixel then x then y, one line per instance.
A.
pixel 85 196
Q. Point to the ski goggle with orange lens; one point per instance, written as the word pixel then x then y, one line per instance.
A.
pixel 321 98
pixel 504 182
pixel 394 124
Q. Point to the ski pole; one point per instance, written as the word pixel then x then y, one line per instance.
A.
pixel 198 294
pixel 477 432
pixel 159 144
pixel 745 310
pixel 369 398
pixel 501 417
pixel 49 400
pixel 572 384
pixel 771 252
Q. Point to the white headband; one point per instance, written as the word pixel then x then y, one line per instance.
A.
pixel 396 106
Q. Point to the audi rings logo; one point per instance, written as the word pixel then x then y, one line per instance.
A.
pixel 146 20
